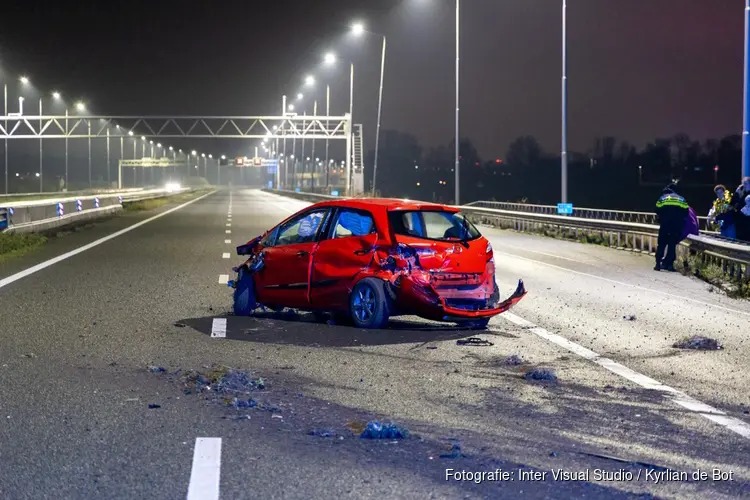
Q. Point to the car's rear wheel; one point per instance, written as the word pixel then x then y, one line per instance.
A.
pixel 244 293
pixel 368 305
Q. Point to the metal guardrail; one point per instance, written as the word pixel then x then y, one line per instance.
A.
pixel 41 215
pixel 588 213
pixel 636 231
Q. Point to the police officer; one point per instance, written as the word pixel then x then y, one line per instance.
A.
pixel 671 209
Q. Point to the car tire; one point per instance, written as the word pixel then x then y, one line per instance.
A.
pixel 244 293
pixel 368 305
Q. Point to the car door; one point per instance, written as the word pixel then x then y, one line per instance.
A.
pixel 284 278
pixel 345 249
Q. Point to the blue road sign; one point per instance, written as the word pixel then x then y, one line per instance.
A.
pixel 565 208
pixel 334 193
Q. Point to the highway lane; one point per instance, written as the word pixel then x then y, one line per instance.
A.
pixel 79 423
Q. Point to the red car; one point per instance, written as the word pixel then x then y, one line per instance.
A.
pixel 370 259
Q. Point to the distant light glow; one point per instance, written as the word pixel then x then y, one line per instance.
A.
pixel 299 97
pixel 329 58
pixel 56 95
pixel 309 80
pixel 358 28
pixel 80 106
pixel 24 80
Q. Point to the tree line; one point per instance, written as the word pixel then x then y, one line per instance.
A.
pixel 611 174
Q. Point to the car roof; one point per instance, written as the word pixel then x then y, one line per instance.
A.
pixel 387 203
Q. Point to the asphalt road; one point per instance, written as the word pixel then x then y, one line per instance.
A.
pixel 78 335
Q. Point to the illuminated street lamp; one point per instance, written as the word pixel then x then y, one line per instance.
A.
pixel 56 96
pixel 358 28
pixel 24 80
pixel 299 97
pixel 329 58
pixel 309 80
pixel 80 106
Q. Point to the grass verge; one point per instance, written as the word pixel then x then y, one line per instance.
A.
pixel 139 206
pixel 15 245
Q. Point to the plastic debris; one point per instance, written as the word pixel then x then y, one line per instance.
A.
pixel 475 341
pixel 153 406
pixel 455 452
pixel 157 369
pixel 238 382
pixel 241 403
pixel 180 325
pixel 378 430
pixel 553 454
pixel 541 374
pixel 324 433
pixel 514 360
pixel 698 342
pixel 629 317
pixel 29 355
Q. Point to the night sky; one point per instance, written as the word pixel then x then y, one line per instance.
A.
pixel 637 68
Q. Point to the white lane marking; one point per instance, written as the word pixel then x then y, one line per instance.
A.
pixel 678 397
pixel 228 242
pixel 223 279
pixel 225 255
pixel 206 473
pixel 219 328
pixel 43 265
pixel 228 231
pixel 638 287
pixel 229 224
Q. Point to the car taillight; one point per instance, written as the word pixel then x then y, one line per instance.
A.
pixel 488 250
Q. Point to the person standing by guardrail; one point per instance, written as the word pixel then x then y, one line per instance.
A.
pixel 721 215
pixel 671 210
pixel 738 199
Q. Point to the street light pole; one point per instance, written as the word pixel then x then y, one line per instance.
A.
pixel 89 133
pixel 564 138
pixel 349 132
pixel 122 157
pixel 380 106
pixel 5 109
pixel 328 113
pixel 457 162
pixel 66 148
pixel 109 163
pixel 41 150
pixel 746 118
pixel 312 154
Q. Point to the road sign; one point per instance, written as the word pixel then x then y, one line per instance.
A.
pixel 565 208
pixel 269 162
pixel 258 162
pixel 239 161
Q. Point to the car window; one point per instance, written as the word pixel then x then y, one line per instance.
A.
pixel 433 225
pixel 302 229
pixel 353 223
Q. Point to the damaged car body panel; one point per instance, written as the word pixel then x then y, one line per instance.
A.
pixel 375 258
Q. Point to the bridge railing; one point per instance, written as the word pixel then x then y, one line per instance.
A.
pixel 633 231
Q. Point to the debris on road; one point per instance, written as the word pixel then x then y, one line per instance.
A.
pixel 29 355
pixel 157 369
pixel 455 452
pixel 514 360
pixel 378 430
pixel 241 403
pixel 324 433
pixel 698 342
pixel 238 382
pixel 180 325
pixel 153 406
pixel 541 374
pixel 629 317
pixel 475 341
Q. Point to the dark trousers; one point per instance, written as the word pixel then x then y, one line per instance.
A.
pixel 669 238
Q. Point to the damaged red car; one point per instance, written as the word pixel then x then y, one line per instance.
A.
pixel 371 259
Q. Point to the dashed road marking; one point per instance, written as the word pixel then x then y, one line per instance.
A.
pixel 219 328
pixel 228 242
pixel 228 231
pixel 678 397
pixel 229 224
pixel 226 255
pixel 223 279
pixel 43 265
pixel 206 473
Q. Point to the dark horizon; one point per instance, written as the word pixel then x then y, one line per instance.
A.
pixel 631 75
